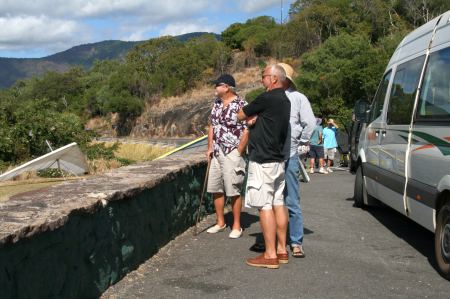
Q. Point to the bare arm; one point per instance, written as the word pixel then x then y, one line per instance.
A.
pixel 243 142
pixel 241 115
pixel 210 149
pixel 249 119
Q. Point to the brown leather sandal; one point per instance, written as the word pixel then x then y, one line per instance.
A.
pixel 297 251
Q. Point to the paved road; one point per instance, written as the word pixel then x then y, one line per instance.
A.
pixel 351 253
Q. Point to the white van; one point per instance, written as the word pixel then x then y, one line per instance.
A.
pixel 404 148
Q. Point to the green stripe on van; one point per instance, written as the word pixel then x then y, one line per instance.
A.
pixel 442 145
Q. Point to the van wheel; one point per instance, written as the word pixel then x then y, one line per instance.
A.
pixel 442 241
pixel 360 189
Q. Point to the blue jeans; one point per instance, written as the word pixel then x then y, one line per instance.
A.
pixel 292 200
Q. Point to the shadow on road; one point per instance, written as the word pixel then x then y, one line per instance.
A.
pixel 246 219
pixel 415 235
pixel 258 246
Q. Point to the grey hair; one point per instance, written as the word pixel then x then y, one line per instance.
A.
pixel 233 89
pixel 279 72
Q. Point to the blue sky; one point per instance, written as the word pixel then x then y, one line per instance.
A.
pixel 37 28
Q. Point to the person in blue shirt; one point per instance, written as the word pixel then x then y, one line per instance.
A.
pixel 330 142
pixel 316 149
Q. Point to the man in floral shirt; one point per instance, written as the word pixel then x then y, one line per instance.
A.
pixel 227 141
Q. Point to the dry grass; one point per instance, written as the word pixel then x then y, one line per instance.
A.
pixel 131 151
pixel 99 166
pixel 249 78
pixel 28 175
pixel 11 188
pixel 193 96
pixel 139 151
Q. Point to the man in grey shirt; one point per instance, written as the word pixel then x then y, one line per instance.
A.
pixel 302 124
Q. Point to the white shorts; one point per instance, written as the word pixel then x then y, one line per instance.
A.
pixel 329 153
pixel 265 185
pixel 226 173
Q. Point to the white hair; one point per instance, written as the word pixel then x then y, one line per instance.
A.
pixel 279 72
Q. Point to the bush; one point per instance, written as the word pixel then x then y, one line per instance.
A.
pixel 53 173
pixel 251 96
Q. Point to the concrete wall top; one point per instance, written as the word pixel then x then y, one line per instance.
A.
pixel 45 210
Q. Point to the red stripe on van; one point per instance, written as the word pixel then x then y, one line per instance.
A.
pixel 424 147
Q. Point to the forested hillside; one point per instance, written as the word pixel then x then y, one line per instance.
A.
pixel 13 69
pixel 338 47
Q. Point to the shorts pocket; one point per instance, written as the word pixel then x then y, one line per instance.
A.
pixel 238 177
pixel 254 196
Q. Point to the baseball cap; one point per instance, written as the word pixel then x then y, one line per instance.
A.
pixel 226 79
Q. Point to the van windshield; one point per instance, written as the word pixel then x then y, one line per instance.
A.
pixel 434 101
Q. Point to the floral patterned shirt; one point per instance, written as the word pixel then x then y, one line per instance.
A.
pixel 227 129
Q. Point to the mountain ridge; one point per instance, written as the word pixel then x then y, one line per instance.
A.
pixel 13 69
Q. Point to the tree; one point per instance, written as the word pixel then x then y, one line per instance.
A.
pixel 344 69
pixel 253 36
pixel 34 122
pixel 65 90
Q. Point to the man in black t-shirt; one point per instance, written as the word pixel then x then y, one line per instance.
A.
pixel 265 185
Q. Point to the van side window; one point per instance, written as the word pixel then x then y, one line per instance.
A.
pixel 403 91
pixel 434 101
pixel 378 101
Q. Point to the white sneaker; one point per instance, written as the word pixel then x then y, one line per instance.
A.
pixel 235 233
pixel 322 170
pixel 329 170
pixel 215 229
pixel 311 170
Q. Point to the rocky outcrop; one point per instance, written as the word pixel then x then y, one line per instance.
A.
pixel 179 121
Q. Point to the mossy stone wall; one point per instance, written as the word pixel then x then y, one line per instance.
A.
pixel 95 247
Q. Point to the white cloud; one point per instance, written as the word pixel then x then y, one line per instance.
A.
pixel 137 35
pixel 45 26
pixel 182 28
pixel 60 24
pixel 35 30
pixel 156 10
pixel 257 5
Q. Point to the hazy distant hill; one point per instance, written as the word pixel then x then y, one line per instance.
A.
pixel 13 69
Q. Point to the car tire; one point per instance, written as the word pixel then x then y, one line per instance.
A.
pixel 442 241
pixel 358 193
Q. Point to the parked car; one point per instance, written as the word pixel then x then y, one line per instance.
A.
pixel 403 157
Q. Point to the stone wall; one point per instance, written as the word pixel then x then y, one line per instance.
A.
pixel 76 239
